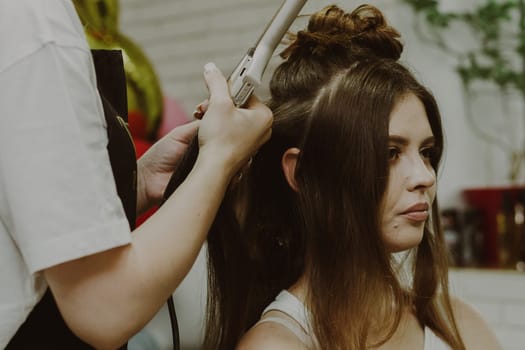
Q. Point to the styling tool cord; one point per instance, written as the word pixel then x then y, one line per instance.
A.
pixel 180 174
pixel 174 324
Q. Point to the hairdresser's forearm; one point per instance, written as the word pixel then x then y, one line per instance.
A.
pixel 108 297
pixel 178 229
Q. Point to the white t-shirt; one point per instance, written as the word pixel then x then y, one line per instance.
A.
pixel 58 199
pixel 290 305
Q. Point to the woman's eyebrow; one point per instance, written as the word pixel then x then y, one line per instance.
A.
pixel 429 141
pixel 398 139
pixel 404 141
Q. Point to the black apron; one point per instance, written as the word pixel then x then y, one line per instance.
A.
pixel 45 329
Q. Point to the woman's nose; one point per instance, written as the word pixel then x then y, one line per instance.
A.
pixel 421 175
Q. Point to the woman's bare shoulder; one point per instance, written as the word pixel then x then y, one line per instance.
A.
pixel 270 336
pixel 474 330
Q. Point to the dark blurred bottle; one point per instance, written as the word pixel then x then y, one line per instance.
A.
pixel 473 239
pixel 452 233
pixel 505 231
pixel 519 232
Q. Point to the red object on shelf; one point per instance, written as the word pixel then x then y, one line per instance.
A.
pixel 137 125
pixel 489 201
pixel 141 146
pixel 172 117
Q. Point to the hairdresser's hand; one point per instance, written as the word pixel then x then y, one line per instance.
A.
pixel 228 134
pixel 156 166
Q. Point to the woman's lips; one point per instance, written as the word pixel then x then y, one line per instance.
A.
pixel 417 215
pixel 416 212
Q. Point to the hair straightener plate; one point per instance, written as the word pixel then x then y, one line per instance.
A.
pixel 247 76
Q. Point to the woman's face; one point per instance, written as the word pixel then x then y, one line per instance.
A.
pixel 412 182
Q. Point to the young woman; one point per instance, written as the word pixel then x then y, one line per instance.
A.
pixel 347 180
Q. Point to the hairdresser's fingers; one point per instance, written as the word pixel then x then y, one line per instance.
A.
pixel 233 133
pixel 201 109
pixel 217 86
pixel 184 133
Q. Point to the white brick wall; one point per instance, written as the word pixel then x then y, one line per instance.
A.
pixel 499 296
pixel 180 36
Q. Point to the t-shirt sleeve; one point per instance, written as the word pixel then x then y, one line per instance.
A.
pixel 59 197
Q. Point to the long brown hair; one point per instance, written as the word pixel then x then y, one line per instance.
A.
pixel 331 98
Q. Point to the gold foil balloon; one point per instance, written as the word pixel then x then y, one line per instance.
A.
pixel 145 100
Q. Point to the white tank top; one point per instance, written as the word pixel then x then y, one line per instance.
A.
pixel 288 304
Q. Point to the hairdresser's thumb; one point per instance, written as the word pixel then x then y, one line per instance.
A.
pixel 216 83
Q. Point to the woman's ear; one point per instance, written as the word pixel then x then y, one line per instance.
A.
pixel 288 162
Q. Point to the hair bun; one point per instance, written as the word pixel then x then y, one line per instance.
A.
pixel 364 32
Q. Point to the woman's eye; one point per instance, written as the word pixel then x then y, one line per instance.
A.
pixel 428 152
pixel 393 153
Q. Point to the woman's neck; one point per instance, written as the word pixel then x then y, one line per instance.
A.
pixel 299 289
